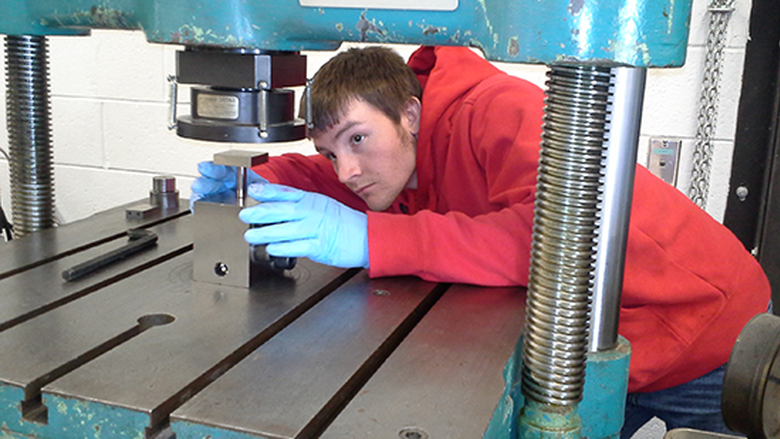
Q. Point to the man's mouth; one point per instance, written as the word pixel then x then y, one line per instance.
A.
pixel 362 190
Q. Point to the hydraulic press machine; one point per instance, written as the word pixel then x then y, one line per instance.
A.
pixel 141 322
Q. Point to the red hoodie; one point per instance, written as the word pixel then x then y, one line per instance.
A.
pixel 689 284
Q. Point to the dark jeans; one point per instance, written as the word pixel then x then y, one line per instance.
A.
pixel 695 404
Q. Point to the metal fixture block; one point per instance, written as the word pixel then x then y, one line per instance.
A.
pixel 221 254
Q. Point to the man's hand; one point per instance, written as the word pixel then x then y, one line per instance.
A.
pixel 215 179
pixel 305 224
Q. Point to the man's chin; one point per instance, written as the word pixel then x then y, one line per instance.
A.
pixel 377 207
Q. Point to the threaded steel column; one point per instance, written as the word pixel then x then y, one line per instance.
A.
pixel 29 137
pixel 565 231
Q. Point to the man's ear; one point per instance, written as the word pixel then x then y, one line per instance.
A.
pixel 412 114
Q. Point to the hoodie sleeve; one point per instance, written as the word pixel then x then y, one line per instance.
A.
pixel 310 173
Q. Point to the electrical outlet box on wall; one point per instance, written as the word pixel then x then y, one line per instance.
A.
pixel 664 158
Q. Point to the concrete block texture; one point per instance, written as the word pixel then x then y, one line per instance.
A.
pixel 113 65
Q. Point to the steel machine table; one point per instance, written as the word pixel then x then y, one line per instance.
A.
pixel 138 349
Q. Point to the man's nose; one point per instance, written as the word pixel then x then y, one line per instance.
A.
pixel 348 168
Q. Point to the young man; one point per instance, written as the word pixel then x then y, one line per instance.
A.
pixel 434 168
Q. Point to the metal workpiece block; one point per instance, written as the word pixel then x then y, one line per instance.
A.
pixel 240 158
pixel 142 210
pixel 222 256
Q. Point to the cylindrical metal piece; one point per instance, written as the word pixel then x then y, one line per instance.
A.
pixel 164 183
pixel 28 108
pixel 164 193
pixel 623 139
pixel 564 235
pixel 259 256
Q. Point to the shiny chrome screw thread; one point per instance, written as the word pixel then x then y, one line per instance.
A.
pixel 564 235
pixel 29 138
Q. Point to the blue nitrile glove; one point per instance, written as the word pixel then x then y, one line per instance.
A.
pixel 215 179
pixel 306 224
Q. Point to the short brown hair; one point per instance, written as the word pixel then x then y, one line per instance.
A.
pixel 376 75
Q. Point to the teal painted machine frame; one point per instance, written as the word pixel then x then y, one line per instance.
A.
pixel 640 33
pixel 601 410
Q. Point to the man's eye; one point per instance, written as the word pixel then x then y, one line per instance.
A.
pixel 357 139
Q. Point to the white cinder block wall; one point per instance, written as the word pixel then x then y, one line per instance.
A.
pixel 109 115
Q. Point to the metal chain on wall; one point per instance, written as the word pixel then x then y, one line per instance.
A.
pixel 719 13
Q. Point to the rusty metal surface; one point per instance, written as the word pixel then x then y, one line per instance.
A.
pixel 80 349
pixel 214 326
pixel 41 340
pixel 444 380
pixel 285 388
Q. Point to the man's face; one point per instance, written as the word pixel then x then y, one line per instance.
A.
pixel 372 155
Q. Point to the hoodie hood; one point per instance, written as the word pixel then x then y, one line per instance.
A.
pixel 444 88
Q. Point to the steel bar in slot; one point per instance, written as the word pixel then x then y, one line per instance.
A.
pixel 40 289
pixel 445 379
pixel 297 382
pixel 50 244
pixel 139 240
